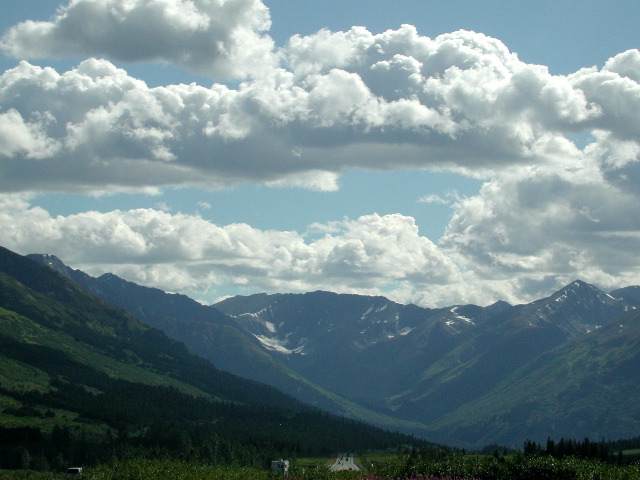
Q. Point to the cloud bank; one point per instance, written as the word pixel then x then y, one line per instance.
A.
pixel 186 252
pixel 338 100
pixel 224 38
pixel 550 210
pixel 349 99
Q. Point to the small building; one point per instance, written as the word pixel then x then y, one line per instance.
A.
pixel 280 467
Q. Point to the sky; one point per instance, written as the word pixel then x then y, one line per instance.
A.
pixel 434 152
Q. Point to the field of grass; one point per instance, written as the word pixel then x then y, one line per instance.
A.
pixel 45 419
pixel 18 376
pixel 451 467
pixel 155 470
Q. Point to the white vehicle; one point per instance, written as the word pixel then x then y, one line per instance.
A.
pixel 280 467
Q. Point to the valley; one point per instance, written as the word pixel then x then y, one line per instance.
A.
pixel 114 367
pixel 464 375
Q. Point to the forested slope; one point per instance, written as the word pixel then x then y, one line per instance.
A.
pixel 82 381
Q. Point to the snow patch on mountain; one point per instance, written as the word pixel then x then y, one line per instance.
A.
pixel 279 345
pixel 365 314
pixel 374 309
pixel 454 310
pixel 406 330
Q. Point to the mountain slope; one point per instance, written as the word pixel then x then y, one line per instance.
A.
pixel 427 365
pixel 514 337
pixel 43 296
pixel 69 360
pixel 428 370
pixel 214 336
pixel 353 344
pixel 587 387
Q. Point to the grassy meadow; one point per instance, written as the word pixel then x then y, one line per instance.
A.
pixel 375 467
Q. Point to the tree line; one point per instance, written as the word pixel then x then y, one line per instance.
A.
pixel 604 450
pixel 145 421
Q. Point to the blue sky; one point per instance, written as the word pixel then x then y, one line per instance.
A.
pixel 464 157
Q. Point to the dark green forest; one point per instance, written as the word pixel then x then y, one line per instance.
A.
pixel 610 451
pixel 162 422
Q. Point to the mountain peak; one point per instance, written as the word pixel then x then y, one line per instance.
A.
pixel 51 261
pixel 577 287
pixel 497 307
pixel 112 279
pixel 578 308
pixel 577 283
pixel 630 294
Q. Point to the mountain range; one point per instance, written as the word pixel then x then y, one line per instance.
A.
pixel 83 381
pixel 566 365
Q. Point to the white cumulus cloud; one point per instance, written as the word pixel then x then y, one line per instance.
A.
pixel 544 223
pixel 389 101
pixel 218 37
pixel 373 253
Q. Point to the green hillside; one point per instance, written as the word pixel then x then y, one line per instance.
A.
pixel 212 335
pixel 82 381
pixel 580 388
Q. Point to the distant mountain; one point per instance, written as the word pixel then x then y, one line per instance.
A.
pixel 216 337
pixel 511 340
pixel 586 387
pixel 363 347
pixel 34 294
pixel 630 294
pixel 429 371
pixel 83 380
pixel 429 365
